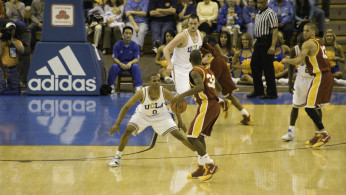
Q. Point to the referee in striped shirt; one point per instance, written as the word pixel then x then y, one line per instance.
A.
pixel 266 30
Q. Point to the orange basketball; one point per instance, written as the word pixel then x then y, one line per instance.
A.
pixel 181 109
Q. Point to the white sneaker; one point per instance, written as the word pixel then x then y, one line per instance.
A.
pixel 289 136
pixel 138 88
pixel 116 161
pixel 282 81
pixel 155 49
pixel 168 80
pixel 235 80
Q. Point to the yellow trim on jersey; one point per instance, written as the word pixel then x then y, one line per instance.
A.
pixel 318 47
pixel 313 59
pixel 163 93
pixel 203 76
pixel 133 125
pixel 312 95
pixel 197 127
pixel 202 71
pixel 169 130
pixel 314 63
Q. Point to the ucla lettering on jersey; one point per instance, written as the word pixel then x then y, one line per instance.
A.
pixel 153 106
pixel 194 47
pixel 150 107
pixel 180 57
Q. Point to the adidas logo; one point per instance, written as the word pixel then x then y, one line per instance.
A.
pixel 62 79
pixel 63 119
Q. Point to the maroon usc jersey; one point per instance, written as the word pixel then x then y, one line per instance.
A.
pixel 319 62
pixel 220 69
pixel 209 84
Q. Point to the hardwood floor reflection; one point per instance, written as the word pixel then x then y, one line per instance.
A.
pixel 252 160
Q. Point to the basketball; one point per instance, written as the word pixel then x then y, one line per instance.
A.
pixel 181 109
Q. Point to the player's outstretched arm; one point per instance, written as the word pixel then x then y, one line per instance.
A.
pixel 307 45
pixel 168 49
pixel 132 101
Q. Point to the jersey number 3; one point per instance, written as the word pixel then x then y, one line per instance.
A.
pixel 211 80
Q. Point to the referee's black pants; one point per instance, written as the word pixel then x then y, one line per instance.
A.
pixel 262 62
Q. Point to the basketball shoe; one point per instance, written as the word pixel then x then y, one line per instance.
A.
pixel 289 136
pixel 224 106
pixel 210 170
pixel 246 120
pixel 198 173
pixel 314 140
pixel 324 138
pixel 116 161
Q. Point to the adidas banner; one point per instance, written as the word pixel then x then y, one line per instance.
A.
pixel 64 69
pixel 64 63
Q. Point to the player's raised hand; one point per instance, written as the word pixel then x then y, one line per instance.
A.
pixel 114 129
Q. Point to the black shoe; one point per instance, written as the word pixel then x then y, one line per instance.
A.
pixel 253 95
pixel 269 96
pixel 157 44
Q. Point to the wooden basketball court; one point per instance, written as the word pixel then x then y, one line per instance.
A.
pixel 252 159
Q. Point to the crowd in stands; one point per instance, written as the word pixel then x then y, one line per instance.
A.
pixel 232 21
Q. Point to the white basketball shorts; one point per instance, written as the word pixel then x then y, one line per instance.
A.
pixel 162 124
pixel 181 80
pixel 301 89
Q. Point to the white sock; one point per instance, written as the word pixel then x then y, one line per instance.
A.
pixel 200 161
pixel 206 159
pixel 340 81
pixel 235 80
pixel 244 112
pixel 283 81
pixel 291 129
pixel 119 153
pixel 323 131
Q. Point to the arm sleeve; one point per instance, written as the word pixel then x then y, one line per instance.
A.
pixel 215 11
pixel 136 53
pixel 222 19
pixel 273 20
pixel 239 12
pixel 120 16
pixel 289 14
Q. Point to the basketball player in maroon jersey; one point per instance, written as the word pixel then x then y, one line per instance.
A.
pixel 223 76
pixel 203 83
pixel 313 53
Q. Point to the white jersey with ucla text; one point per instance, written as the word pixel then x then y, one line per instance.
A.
pixel 152 113
pixel 181 62
pixel 149 107
pixel 181 55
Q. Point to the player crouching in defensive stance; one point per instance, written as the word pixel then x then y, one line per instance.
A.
pixel 203 82
pixel 152 111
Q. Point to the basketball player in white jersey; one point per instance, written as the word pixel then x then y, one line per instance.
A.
pixel 301 88
pixel 186 41
pixel 151 111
